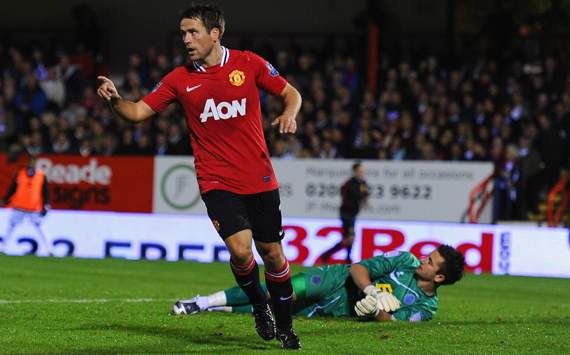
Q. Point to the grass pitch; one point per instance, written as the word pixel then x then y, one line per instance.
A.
pixel 65 305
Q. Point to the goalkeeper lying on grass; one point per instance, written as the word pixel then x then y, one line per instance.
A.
pixel 394 286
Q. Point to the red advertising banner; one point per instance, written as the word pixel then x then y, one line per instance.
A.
pixel 122 184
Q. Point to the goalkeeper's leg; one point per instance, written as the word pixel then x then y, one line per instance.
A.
pixel 235 297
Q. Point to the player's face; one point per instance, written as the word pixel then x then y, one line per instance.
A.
pixel 429 267
pixel 197 40
pixel 359 172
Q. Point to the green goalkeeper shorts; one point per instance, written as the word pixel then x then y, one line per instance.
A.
pixel 322 292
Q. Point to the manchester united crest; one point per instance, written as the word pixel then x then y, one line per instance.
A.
pixel 237 78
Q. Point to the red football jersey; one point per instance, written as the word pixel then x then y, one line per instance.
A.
pixel 223 113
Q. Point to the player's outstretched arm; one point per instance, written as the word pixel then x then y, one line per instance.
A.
pixel 130 111
pixel 292 101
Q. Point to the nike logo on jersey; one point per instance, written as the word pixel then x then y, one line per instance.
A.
pixel 188 89
pixel 223 110
pixel 285 298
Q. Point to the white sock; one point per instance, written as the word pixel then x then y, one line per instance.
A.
pixel 217 299
pixel 220 309
pixel 202 302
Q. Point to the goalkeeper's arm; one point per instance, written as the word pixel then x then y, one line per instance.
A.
pixel 361 278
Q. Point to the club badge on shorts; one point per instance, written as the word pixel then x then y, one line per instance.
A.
pixel 216 224
pixel 237 78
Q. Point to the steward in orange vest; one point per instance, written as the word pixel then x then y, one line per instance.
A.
pixel 28 190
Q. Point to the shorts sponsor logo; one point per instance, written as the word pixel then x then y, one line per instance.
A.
pixel 178 187
pixel 237 78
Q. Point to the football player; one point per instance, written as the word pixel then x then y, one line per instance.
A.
pixel 394 286
pixel 218 90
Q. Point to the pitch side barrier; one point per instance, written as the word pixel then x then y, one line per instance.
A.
pixel 411 190
pixel 497 249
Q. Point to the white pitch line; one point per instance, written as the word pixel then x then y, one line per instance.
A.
pixel 86 300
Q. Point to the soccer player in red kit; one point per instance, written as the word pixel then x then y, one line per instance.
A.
pixel 218 90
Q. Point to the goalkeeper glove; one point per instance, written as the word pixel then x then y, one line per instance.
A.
pixel 372 305
pixel 371 290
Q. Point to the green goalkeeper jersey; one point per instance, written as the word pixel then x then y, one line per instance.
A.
pixel 394 272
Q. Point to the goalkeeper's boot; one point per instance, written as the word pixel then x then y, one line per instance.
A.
pixel 264 323
pixel 186 306
pixel 288 338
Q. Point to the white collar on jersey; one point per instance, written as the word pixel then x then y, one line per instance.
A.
pixel 225 59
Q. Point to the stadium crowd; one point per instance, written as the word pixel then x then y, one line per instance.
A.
pixel 517 116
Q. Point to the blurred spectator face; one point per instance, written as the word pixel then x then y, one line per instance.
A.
pixel 127 138
pixel 97 128
pixel 480 152
pixel 133 79
pixel 80 133
pixel 53 131
pixel 64 62
pixel 304 62
pixel 512 153
pixel 456 153
pixel 174 132
pixel 428 152
pixel 506 133
pixel 162 124
pixel 483 133
pixel 279 148
pixel 144 141
pixel 86 148
pixel 30 82
pixel 9 89
pixel 63 124
pixel 497 121
pixel 446 138
pixel 61 144
pixel 162 62
pixel 497 149
pixel 135 60
pixel 544 122
pixel 337 136
pixel 108 142
pixel 161 140
pixel 407 121
pixel 35 124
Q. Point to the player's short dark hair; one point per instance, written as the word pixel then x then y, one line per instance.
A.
pixel 356 165
pixel 210 15
pixel 452 267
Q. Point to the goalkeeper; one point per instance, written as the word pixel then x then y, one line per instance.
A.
pixel 394 286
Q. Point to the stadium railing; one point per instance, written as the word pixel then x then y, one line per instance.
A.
pixel 479 197
pixel 557 201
